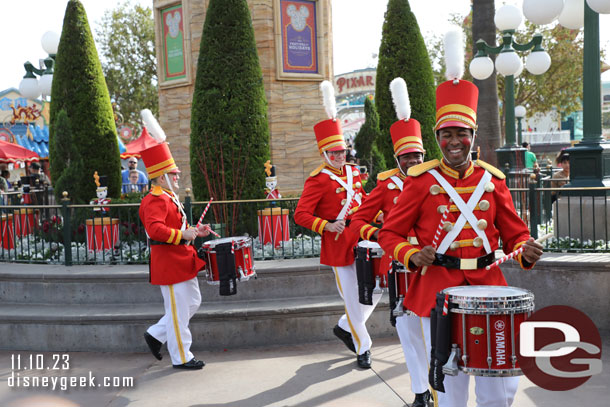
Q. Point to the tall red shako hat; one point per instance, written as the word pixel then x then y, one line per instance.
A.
pixel 456 99
pixel 406 132
pixel 329 134
pixel 157 159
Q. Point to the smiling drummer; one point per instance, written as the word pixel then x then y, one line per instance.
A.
pixel 481 213
pixel 329 193
pixel 173 263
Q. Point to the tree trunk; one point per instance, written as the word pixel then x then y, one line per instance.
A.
pixel 488 117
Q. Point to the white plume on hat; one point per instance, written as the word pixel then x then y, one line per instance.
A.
pixel 152 125
pixel 400 97
pixel 328 99
pixel 454 54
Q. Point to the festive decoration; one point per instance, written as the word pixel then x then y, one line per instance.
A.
pixel 272 192
pixel 102 193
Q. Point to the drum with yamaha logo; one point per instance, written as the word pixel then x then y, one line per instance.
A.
pixel 485 323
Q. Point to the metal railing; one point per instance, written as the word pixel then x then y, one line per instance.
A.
pixel 81 234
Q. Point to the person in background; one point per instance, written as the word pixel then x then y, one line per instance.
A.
pixel 7 175
pixel 134 185
pixel 132 164
pixel 37 172
pixel 562 177
pixel 530 158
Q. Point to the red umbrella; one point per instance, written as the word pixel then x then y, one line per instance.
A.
pixel 142 143
pixel 13 153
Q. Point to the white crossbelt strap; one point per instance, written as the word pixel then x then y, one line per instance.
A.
pixel 465 209
pixel 179 205
pixel 348 188
pixel 397 181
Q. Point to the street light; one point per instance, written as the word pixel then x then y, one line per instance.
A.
pixel 508 63
pixel 30 87
pixel 519 114
pixel 589 159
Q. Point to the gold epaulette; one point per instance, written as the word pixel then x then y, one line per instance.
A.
pixel 316 171
pixel 419 169
pixel 493 170
pixel 382 176
pixel 156 190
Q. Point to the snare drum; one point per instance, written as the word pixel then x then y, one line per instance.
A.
pixel 485 323
pixel 228 258
pixel 369 271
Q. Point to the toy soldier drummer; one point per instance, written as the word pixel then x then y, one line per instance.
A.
pixel 271 191
pixel 328 195
pixel 102 192
pixel 481 212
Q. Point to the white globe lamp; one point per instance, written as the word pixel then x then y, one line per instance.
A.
pixel 599 6
pixel 508 17
pixel 481 68
pixel 542 12
pixel 50 42
pixel 573 14
pixel 508 63
pixel 46 82
pixel 538 62
pixel 29 88
pixel 520 112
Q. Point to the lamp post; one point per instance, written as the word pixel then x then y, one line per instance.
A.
pixel 508 18
pixel 30 87
pixel 589 159
pixel 519 114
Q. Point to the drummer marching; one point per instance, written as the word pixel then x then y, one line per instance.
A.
pixel 480 213
pixel 328 195
pixel 408 151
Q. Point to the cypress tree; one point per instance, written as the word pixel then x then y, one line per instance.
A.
pixel 229 128
pixel 79 88
pixel 403 53
pixel 71 164
pixel 366 144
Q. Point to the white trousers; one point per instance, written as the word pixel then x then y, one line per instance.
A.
pixel 181 301
pixel 356 314
pixel 415 340
pixel 490 391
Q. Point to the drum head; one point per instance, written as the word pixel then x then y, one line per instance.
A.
pixel 485 291
pixel 239 241
pixel 369 245
pixel 489 299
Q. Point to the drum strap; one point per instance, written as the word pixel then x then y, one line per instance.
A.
pixel 465 209
pixel 348 188
pixel 397 181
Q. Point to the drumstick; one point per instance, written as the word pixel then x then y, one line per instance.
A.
pixel 516 252
pixel 350 204
pixel 438 232
pixel 204 212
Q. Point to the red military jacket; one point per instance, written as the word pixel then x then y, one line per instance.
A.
pixel 382 198
pixel 420 207
pixel 173 262
pixel 320 203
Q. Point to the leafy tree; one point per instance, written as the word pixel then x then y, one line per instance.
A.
pixel 126 37
pixel 80 90
pixel 229 128
pixel 560 86
pixel 402 53
pixel 365 144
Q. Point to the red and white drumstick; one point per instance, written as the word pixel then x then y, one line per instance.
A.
pixel 439 229
pixel 446 305
pixel 204 212
pixel 516 252
pixel 214 233
pixel 350 204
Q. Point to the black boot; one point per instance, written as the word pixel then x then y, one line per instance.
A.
pixel 422 399
pixel 154 345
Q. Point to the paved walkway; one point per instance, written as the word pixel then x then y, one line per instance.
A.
pixel 322 374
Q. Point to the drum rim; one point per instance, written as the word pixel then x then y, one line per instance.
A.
pixel 501 287
pixel 510 304
pixel 239 240
pixel 475 371
pixel 376 245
